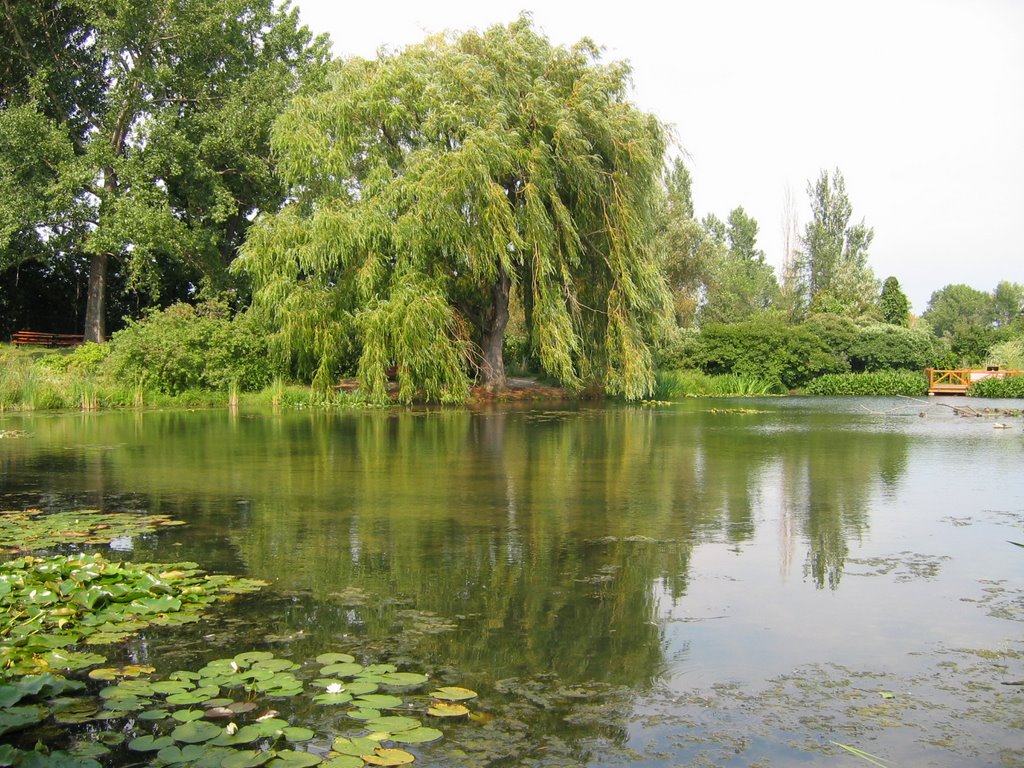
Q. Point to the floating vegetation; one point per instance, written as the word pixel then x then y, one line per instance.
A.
pixel 49 604
pixel 732 411
pixel 32 529
pixel 907 566
pixel 11 434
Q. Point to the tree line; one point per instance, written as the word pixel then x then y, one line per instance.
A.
pixel 412 215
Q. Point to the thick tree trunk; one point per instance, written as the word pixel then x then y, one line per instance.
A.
pixel 96 300
pixel 492 370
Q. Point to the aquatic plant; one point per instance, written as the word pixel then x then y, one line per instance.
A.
pixel 877 384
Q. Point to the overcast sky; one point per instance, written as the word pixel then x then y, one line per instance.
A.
pixel 920 104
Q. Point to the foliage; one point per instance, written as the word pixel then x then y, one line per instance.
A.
pixel 1008 303
pixel 135 136
pixel 1008 354
pixel 877 383
pixel 741 283
pixel 835 274
pixel 185 347
pixel 673 385
pixel 958 306
pixel 469 168
pixel 22 530
pixel 788 356
pixel 893 303
pixel 676 349
pixel 881 346
pixel 1010 387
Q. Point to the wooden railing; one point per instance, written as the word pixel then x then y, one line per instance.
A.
pixel 958 380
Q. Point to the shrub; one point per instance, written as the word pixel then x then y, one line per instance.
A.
pixel 875 383
pixel 884 347
pixel 787 356
pixel 675 350
pixel 674 385
pixel 1010 387
pixel 185 347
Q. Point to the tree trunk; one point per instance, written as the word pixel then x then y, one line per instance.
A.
pixel 493 368
pixel 96 301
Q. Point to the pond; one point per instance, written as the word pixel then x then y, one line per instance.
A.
pixel 714 582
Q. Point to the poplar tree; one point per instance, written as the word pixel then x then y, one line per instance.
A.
pixel 432 185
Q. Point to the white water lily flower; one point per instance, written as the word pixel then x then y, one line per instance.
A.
pixel 335 688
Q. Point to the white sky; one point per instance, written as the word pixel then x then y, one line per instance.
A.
pixel 920 104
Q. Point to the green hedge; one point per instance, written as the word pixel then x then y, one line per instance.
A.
pixel 877 383
pixel 1012 387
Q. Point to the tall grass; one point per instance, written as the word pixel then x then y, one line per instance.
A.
pixel 674 385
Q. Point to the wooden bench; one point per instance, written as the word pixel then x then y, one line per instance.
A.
pixel 40 339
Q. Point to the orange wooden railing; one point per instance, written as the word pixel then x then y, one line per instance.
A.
pixel 959 379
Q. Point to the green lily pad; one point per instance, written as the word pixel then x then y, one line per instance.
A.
pixel 389 757
pixel 378 701
pixel 393 724
pixel 417 736
pixel 452 693
pixel 196 732
pixel 342 669
pixel 150 743
pixel 287 758
pixel 252 656
pixel 380 669
pixel 72 660
pixel 357 746
pixel 275 665
pixel 335 658
pixel 246 758
pixel 364 714
pixel 247 734
pixel 344 761
pixel 188 715
pixel 329 699
pixel 153 714
pixel 296 734
pixel 403 678
pixel 187 754
pixel 361 688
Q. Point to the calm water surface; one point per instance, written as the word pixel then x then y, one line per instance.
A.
pixel 682 585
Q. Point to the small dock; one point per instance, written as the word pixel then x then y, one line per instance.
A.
pixel 956 381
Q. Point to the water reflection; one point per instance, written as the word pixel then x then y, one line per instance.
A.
pixel 544 532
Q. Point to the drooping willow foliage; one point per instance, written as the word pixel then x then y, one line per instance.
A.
pixel 430 185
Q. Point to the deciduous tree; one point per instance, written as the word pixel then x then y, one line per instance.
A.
pixel 429 185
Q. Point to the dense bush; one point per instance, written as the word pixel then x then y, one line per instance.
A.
pixel 876 383
pixel 1012 387
pixel 675 350
pixel 674 385
pixel 882 347
pixel 185 347
pixel 789 356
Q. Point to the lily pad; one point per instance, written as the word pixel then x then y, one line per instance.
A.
pixel 342 669
pixel 403 678
pixel 287 758
pixel 417 736
pixel 196 732
pixel 246 758
pixel 150 743
pixel 378 701
pixel 358 746
pixel 393 724
pixel 329 699
pixel 442 709
pixel 296 734
pixel 364 714
pixel 335 658
pixel 188 715
pixel 187 754
pixel 344 761
pixel 452 693
pixel 389 757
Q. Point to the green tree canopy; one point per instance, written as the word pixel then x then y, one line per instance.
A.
pixel 834 266
pixel 430 184
pixel 893 303
pixel 959 305
pixel 155 123
pixel 741 284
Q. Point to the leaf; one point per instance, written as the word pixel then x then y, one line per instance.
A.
pixel 389 757
pixel 417 736
pixel 452 693
pixel 246 758
pixel 358 746
pixel 328 699
pixel 293 733
pixel 150 743
pixel 404 678
pixel 344 761
pixel 335 658
pixel 379 701
pixel 196 732
pixel 287 758
pixel 393 724
pixel 441 709
pixel 342 669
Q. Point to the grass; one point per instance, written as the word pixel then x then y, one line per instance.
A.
pixel 675 385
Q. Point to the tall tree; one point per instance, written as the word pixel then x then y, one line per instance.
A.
pixel 166 108
pixel 1008 303
pixel 741 284
pixel 959 305
pixel 836 274
pixel 893 303
pixel 430 184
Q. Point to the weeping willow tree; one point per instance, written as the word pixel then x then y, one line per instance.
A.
pixel 432 186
